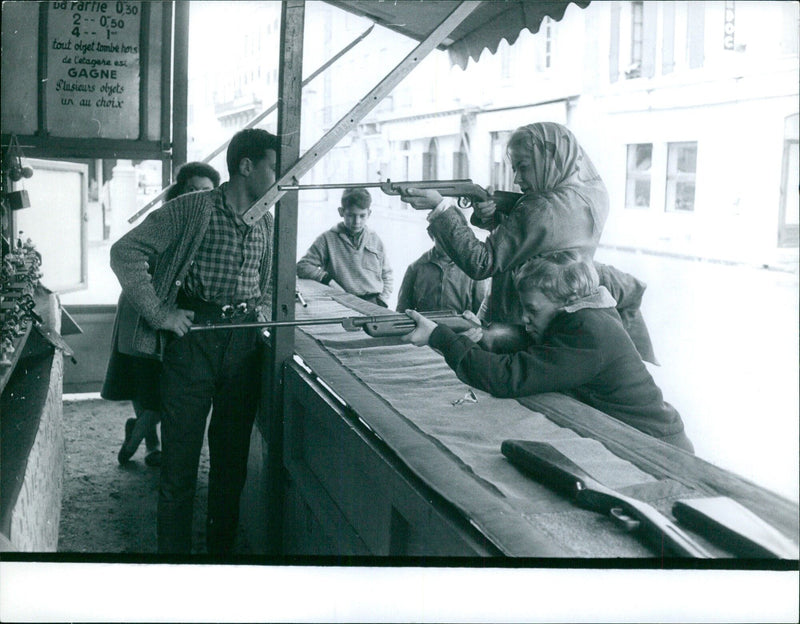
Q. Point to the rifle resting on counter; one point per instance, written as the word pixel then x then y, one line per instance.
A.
pixel 734 527
pixel 553 468
pixel 467 192
pixel 377 326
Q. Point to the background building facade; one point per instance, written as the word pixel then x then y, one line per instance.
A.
pixel 689 110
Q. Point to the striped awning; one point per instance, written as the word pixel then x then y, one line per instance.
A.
pixel 492 21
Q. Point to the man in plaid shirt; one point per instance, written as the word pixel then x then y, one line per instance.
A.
pixel 210 266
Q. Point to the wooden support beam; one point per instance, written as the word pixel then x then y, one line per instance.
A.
pixel 360 110
pixel 283 266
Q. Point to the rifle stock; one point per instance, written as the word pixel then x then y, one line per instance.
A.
pixel 555 469
pixel 465 190
pixel 378 326
pixel 505 338
pixel 734 527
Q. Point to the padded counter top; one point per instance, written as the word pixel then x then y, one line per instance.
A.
pixel 411 399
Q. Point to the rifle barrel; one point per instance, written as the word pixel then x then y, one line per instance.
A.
pixel 311 187
pixel 399 320
pixel 262 324
pixel 388 183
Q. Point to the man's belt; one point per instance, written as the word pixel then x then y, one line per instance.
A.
pixel 209 312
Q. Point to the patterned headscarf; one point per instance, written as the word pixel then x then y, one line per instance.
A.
pixel 561 165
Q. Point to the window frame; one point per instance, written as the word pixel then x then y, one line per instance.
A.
pixel 674 177
pixel 634 175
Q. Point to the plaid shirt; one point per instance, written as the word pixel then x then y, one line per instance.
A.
pixel 227 267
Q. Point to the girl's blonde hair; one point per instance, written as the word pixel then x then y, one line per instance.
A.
pixel 562 276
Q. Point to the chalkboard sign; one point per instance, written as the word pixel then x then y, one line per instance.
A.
pixel 93 60
pixel 88 79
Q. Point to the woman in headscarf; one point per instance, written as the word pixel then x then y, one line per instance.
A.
pixel 564 206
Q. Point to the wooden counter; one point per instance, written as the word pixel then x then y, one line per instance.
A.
pixel 382 460
pixel 32 442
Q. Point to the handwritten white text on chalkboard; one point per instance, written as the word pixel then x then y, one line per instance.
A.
pixel 94 67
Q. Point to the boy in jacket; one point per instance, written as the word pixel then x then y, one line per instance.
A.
pixel 350 256
pixel 578 347
pixel 434 282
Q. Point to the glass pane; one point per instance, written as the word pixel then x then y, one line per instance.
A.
pixel 687 158
pixel 642 193
pixel 684 196
pixel 792 207
pixel 640 156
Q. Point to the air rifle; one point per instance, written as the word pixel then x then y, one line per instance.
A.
pixel 467 192
pixel 378 326
pixel 734 527
pixel 555 469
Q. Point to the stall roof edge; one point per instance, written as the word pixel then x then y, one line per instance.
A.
pixel 492 21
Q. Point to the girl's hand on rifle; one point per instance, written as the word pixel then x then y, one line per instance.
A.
pixel 476 333
pixel 422 333
pixel 421 199
pixel 484 210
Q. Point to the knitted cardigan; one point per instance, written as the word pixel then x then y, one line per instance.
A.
pixel 172 234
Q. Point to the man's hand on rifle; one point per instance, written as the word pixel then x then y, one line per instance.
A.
pixel 421 199
pixel 178 321
pixel 422 333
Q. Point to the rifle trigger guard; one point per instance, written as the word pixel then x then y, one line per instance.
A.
pixel 464 202
pixel 623 519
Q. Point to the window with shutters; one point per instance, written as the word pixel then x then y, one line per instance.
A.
pixel 681 176
pixel 789 211
pixel 502 177
pixel 461 161
pixel 430 160
pixel 637 186
pixel 634 69
pixel 545 45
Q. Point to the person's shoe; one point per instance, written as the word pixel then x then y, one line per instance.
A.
pixel 125 453
pixel 153 458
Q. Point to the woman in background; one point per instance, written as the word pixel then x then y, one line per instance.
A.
pixel 136 378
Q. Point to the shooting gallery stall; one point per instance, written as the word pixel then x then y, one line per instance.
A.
pixel 371 447
pixel 363 446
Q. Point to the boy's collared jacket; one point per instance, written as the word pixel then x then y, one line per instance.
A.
pixel 361 269
pixel 434 282
pixel 585 352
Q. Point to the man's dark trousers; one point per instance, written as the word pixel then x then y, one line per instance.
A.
pixel 223 367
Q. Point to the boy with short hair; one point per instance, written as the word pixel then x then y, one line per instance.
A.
pixel 579 347
pixel 350 255
pixel 434 282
